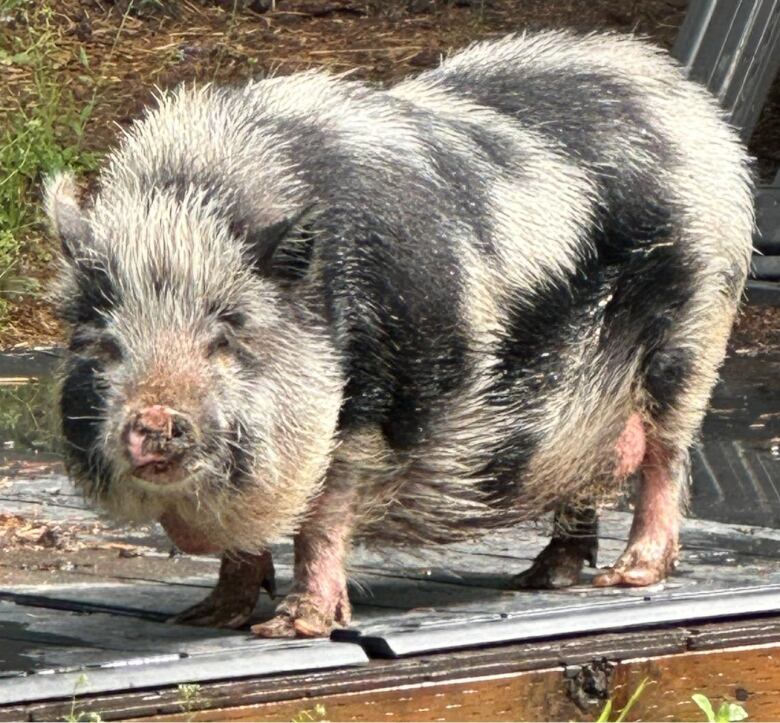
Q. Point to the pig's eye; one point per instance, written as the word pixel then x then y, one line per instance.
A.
pixel 233 318
pixel 105 348
pixel 219 344
pixel 79 342
pixel 108 349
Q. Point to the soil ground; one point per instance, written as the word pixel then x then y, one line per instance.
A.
pixel 116 52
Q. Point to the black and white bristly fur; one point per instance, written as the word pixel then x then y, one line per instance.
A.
pixel 448 295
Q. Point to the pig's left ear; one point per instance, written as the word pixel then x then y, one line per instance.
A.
pixel 271 247
pixel 65 216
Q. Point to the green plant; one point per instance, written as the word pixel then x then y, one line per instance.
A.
pixel 44 131
pixel 26 419
pixel 317 713
pixel 726 713
pixel 75 716
pixel 607 710
pixel 6 6
pixel 191 698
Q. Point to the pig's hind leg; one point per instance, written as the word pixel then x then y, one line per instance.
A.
pixel 653 545
pixel 652 548
pixel 574 542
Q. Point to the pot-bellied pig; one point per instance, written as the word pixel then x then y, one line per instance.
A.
pixel 316 307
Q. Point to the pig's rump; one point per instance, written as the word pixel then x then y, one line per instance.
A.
pixel 582 311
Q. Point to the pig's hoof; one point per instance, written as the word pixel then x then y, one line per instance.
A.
pixel 218 612
pixel 558 565
pixel 305 616
pixel 230 604
pixel 636 576
pixel 635 570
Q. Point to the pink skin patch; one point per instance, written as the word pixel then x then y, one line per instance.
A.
pixel 152 466
pixel 630 447
pixel 135 450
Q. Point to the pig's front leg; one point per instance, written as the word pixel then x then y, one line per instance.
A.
pixel 231 602
pixel 241 576
pixel 318 601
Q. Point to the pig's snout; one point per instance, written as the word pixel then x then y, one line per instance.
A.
pixel 157 438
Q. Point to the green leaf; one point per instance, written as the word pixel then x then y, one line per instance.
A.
pixel 21 59
pixel 83 58
pixel 605 713
pixel 704 703
pixel 729 712
pixel 633 699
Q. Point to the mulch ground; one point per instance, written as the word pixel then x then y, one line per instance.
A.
pixel 131 47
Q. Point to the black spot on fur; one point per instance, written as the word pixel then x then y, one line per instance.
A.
pixel 657 280
pixel 668 372
pixel 390 273
pixel 293 257
pixel 627 296
pixel 240 462
pixel 82 406
pixel 403 345
pixel 234 318
pixel 583 111
pixel 96 295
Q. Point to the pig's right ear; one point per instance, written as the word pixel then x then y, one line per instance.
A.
pixel 264 243
pixel 65 216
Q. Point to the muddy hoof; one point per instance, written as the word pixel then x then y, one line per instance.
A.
pixel 635 568
pixel 558 565
pixel 635 576
pixel 304 616
pixel 217 612
pixel 231 603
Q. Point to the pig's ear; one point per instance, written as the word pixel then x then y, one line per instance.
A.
pixel 65 216
pixel 265 244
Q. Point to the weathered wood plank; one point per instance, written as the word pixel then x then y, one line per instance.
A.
pixel 537 695
pixel 749 673
pixel 420 670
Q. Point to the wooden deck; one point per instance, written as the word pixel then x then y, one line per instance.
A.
pixel 436 636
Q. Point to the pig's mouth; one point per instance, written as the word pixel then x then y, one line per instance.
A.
pixel 166 471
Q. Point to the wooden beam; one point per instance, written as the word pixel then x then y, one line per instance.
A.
pixel 561 665
pixel 749 674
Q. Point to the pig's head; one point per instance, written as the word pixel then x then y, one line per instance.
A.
pixel 192 376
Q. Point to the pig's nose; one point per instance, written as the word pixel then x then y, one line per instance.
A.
pixel 156 435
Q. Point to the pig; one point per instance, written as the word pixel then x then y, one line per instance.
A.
pixel 319 308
